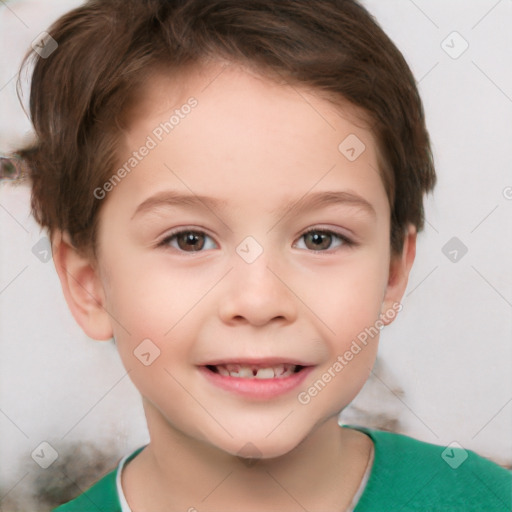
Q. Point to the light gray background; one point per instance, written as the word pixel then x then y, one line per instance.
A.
pixel 445 372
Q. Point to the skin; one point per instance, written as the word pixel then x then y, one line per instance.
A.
pixel 256 146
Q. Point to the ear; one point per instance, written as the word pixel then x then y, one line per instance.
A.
pixel 82 287
pixel 399 268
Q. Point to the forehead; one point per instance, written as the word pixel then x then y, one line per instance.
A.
pixel 246 134
pixel 224 88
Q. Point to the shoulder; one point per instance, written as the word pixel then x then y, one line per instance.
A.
pixel 412 475
pixel 101 497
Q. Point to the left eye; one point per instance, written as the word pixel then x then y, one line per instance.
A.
pixel 321 240
pixel 189 241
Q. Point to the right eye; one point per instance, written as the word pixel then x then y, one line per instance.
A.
pixel 188 240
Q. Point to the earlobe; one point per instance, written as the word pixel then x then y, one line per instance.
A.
pixel 82 287
pixel 399 269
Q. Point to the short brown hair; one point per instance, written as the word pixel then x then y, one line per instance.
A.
pixel 108 48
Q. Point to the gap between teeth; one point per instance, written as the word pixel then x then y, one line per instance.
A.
pixel 253 372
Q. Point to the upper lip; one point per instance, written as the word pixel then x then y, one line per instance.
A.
pixel 263 362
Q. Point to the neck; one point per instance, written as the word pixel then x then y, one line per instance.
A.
pixel 180 473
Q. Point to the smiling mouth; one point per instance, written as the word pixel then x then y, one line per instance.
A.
pixel 249 371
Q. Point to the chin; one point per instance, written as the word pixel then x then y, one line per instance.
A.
pixel 252 452
pixel 258 446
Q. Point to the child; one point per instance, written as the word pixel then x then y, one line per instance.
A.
pixel 233 191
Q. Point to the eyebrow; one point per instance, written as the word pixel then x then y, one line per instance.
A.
pixel 172 198
pixel 330 198
pixel 308 202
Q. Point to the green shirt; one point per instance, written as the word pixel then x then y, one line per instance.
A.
pixel 407 476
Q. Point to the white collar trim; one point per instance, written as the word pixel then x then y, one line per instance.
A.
pixel 120 494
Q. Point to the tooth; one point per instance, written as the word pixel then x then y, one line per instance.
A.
pixel 223 371
pixel 279 370
pixel 245 372
pixel 265 373
pixel 250 372
pixel 289 370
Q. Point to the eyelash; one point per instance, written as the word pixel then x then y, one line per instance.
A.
pixel 346 242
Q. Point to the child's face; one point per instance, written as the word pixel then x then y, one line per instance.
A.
pixel 254 159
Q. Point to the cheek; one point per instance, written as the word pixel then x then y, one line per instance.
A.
pixel 349 298
pixel 150 299
pixel 154 303
pixel 135 302
pixel 351 309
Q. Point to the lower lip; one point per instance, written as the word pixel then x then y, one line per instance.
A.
pixel 257 388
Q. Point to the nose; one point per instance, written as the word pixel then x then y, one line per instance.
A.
pixel 257 293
